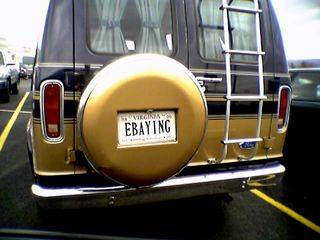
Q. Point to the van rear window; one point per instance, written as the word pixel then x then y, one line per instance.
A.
pixel 211 34
pixel 130 26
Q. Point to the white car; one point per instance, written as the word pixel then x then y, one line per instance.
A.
pixel 9 76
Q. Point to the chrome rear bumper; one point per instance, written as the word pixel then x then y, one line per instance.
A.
pixel 175 188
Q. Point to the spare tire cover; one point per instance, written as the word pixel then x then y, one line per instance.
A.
pixel 138 90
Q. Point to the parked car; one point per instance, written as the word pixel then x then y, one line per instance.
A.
pixel 305 76
pixel 301 148
pixel 27 62
pixel 9 76
pixel 142 101
pixel 22 71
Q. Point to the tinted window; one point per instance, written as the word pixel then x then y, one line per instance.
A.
pixel 306 86
pixel 211 34
pixel 129 26
pixel 27 60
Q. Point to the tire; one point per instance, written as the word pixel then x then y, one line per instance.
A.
pixel 5 96
pixel 15 87
pixel 152 86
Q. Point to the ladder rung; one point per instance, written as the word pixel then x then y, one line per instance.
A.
pixel 209 79
pixel 246 98
pixel 243 52
pixel 241 140
pixel 241 9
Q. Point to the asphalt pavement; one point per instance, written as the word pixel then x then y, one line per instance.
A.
pixel 286 211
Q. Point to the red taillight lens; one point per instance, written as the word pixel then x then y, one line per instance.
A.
pixel 283 108
pixel 51 103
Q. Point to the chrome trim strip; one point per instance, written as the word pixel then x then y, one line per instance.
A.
pixel 240 117
pixel 67 65
pixel 42 111
pixel 194 70
pixel 243 73
pixel 175 188
pixel 66 93
pixel 222 97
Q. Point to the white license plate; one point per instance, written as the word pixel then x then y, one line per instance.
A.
pixel 143 128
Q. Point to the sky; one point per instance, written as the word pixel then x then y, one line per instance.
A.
pixel 300 26
pixel 299 20
pixel 21 21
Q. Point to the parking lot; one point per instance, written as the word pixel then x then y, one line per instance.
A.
pixel 288 211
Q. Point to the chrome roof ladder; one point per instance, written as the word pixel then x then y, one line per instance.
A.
pixel 226 7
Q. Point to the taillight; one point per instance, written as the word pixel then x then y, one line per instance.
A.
pixel 51 95
pixel 284 102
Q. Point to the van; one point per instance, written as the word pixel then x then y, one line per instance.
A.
pixel 144 101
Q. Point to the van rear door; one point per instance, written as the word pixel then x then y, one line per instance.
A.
pixel 245 134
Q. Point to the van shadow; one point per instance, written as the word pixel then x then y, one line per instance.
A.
pixel 179 219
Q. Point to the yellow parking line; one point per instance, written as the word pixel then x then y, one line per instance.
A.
pixel 287 210
pixel 6 131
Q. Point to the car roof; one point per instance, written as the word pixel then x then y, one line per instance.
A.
pixel 304 65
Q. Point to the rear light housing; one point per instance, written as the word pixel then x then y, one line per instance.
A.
pixel 51 110
pixel 284 103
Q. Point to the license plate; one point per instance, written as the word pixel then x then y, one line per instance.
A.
pixel 143 128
